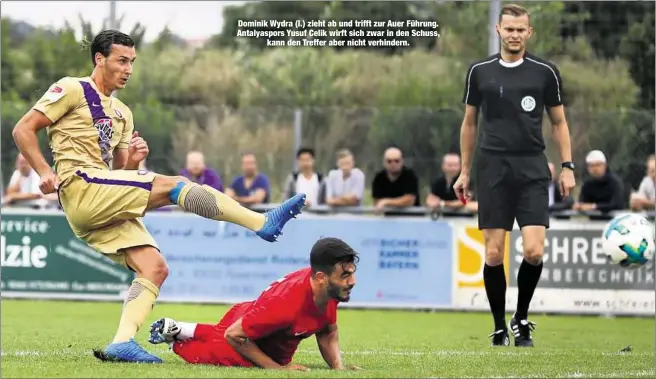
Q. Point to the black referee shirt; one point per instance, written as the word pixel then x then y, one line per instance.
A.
pixel 512 98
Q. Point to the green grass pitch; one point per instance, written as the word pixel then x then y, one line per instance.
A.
pixel 55 339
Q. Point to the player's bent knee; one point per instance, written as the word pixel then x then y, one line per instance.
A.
pixel 148 263
pixel 172 186
pixel 159 271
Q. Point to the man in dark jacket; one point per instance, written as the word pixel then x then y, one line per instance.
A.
pixel 603 190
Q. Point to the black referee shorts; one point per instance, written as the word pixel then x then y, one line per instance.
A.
pixel 512 187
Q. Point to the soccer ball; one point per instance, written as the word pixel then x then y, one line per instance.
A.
pixel 628 240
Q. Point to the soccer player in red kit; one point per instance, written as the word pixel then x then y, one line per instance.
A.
pixel 266 332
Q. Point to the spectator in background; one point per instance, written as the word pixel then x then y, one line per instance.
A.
pixel 395 185
pixel 603 190
pixel 305 180
pixel 251 187
pixel 645 198
pixel 556 200
pixel 23 187
pixel 345 185
pixel 442 194
pixel 196 171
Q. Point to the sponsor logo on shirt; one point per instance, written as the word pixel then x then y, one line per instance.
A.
pixel 55 93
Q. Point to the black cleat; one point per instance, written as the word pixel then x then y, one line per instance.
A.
pixel 522 331
pixel 500 338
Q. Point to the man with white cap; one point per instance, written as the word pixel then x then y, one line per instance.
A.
pixel 603 190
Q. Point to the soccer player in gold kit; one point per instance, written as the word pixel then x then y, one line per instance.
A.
pixel 102 192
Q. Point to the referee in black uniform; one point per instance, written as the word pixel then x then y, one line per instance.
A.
pixel 513 89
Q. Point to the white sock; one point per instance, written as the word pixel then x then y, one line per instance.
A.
pixel 187 330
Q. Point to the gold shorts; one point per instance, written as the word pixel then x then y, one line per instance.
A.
pixel 104 208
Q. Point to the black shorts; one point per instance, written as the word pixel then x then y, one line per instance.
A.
pixel 512 187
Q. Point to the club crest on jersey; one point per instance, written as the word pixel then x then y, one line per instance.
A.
pixel 528 103
pixel 105 134
pixel 118 113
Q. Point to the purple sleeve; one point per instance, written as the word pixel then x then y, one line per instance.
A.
pixel 235 184
pixel 214 180
pixel 262 182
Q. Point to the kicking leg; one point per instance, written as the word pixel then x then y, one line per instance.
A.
pixel 168 330
pixel 207 202
pixel 151 271
pixel 195 343
pixel 528 277
pixel 494 278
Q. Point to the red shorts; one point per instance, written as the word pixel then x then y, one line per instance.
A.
pixel 209 345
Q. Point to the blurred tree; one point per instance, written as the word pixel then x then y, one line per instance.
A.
pixel 225 100
pixel 620 29
pixel 637 48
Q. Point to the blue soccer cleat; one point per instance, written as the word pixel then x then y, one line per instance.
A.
pixel 277 218
pixel 129 351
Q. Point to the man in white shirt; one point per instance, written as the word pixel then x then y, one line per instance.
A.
pixel 23 188
pixel 305 180
pixel 345 186
pixel 645 198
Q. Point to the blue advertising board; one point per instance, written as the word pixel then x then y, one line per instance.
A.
pixel 402 262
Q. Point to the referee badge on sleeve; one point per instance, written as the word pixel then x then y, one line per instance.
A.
pixel 528 103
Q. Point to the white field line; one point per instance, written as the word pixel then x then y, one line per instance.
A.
pixel 443 353
pixel 613 374
pixel 461 353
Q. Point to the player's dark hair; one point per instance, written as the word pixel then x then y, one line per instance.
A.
pixel 305 150
pixel 514 10
pixel 328 252
pixel 104 40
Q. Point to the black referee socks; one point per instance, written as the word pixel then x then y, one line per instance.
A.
pixel 495 287
pixel 527 279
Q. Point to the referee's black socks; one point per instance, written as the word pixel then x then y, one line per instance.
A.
pixel 527 279
pixel 495 287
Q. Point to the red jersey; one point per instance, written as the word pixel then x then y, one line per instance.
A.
pixel 283 315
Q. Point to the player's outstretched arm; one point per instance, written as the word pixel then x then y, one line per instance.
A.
pixel 328 341
pixel 237 338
